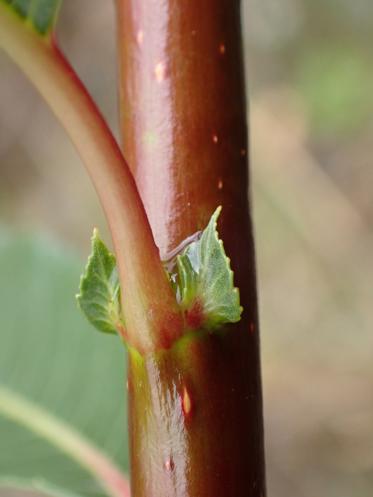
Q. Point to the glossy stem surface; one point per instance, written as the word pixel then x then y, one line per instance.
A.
pixel 194 431
pixel 183 116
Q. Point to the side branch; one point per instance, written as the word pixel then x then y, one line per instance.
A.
pixel 151 312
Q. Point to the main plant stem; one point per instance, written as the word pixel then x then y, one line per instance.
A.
pixel 196 408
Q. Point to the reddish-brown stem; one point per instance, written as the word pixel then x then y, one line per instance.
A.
pixel 183 114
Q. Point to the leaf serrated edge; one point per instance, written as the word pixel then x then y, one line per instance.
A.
pixel 213 225
pixel 112 326
pixel 209 238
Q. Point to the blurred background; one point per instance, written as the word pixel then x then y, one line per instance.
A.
pixel 310 78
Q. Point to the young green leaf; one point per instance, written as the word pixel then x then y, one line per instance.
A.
pixel 206 289
pixel 38 14
pixel 99 296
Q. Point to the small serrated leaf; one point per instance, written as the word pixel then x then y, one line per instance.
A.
pixel 206 280
pixel 99 293
pixel 41 15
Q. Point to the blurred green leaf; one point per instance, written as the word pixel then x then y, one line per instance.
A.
pixel 336 84
pixel 50 357
pixel 40 14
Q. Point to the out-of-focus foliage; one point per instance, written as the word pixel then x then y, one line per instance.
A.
pixel 50 357
pixel 310 77
pixel 40 15
pixel 336 84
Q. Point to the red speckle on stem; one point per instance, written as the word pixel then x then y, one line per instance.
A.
pixel 169 464
pixel 170 327
pixel 140 37
pixel 160 72
pixel 251 327
pixel 186 402
pixel 194 316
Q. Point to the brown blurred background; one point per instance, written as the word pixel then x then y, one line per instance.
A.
pixel 310 80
